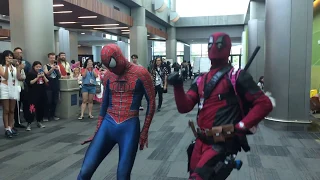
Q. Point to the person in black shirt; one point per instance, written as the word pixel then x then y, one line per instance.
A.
pixel 52 71
pixel 36 96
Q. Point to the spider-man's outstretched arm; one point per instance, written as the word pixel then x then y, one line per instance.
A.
pixel 150 96
pixel 103 108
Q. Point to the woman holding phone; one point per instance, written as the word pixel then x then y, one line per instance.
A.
pixel 37 95
pixel 9 90
pixel 88 87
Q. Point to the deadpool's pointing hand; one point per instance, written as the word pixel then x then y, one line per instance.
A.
pixel 175 79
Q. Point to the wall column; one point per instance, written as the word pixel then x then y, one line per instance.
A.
pixel 256 32
pixel 73 37
pixel 171 44
pixel 288 57
pixel 32 28
pixel 186 53
pixel 124 48
pixel 138 35
pixel 96 52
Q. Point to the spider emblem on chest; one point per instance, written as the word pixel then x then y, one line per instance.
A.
pixel 122 86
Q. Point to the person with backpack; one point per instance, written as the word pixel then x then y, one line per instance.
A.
pixel 224 96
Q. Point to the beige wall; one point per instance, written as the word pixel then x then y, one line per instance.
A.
pixel 82 50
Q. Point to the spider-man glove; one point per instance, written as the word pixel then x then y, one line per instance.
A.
pixel 144 138
pixel 100 118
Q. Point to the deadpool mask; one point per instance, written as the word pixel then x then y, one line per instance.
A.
pixel 219 47
pixel 113 59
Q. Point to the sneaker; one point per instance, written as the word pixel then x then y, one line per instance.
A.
pixel 40 125
pixel 8 134
pixel 45 119
pixel 14 132
pixel 141 108
pixel 28 127
pixel 56 118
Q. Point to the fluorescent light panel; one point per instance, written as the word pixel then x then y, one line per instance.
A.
pixel 58 5
pixel 62 12
pixel 87 17
pixel 96 25
pixel 4 37
pixel 83 33
pixel 112 28
pixel 125 30
pixel 126 33
pixel 67 22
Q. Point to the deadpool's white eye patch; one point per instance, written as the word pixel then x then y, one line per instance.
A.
pixel 112 63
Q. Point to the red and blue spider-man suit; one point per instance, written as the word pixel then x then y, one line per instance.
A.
pixel 118 122
pixel 220 108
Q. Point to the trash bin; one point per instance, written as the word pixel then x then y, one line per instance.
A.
pixel 68 107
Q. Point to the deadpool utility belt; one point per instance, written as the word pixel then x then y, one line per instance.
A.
pixel 217 134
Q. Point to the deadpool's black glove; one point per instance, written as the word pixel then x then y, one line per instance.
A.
pixel 175 79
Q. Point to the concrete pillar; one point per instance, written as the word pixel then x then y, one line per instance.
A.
pixel 138 35
pixel 73 37
pixel 256 32
pixel 64 42
pixel 288 57
pixel 124 48
pixel 96 52
pixel 32 28
pixel 149 51
pixel 171 44
pixel 186 53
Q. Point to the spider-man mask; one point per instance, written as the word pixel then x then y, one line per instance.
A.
pixel 113 59
pixel 219 47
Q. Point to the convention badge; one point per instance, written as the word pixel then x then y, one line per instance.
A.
pixel 201 103
pixel 91 81
pixel 40 81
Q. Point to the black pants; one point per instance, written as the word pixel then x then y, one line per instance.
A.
pixel 159 91
pixel 17 118
pixel 36 108
pixel 52 101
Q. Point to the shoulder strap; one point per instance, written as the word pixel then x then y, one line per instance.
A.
pixel 214 81
pixel 233 76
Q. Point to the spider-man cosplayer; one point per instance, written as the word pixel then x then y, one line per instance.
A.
pixel 221 118
pixel 118 122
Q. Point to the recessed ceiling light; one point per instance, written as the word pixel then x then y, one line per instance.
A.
pixel 67 22
pixel 87 17
pixel 125 30
pixel 83 33
pixel 113 28
pixel 94 25
pixel 58 5
pixel 62 12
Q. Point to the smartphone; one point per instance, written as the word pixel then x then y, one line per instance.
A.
pixel 55 63
pixel 14 61
pixel 40 71
pixel 23 62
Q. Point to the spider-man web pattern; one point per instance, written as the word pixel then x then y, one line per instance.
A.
pixel 118 122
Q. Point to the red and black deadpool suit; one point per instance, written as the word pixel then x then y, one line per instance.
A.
pixel 218 108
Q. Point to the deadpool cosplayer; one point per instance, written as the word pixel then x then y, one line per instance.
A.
pixel 118 121
pixel 230 104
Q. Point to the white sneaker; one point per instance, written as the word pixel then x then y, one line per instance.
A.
pixel 56 118
pixel 45 120
pixel 40 125
pixel 28 127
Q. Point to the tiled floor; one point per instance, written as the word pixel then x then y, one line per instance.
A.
pixel 55 153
